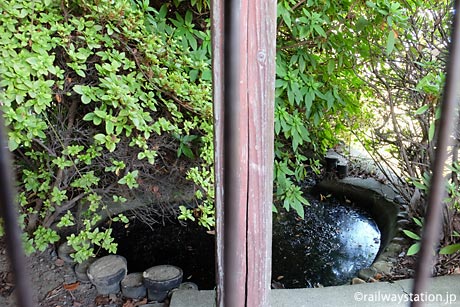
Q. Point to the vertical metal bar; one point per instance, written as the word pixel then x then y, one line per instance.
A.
pixel 217 24
pixel 235 162
pixel 430 236
pixel 8 211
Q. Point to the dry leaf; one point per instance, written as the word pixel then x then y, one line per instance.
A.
pixel 134 303
pixel 141 302
pixel 128 303
pixel 72 287
pixel 101 300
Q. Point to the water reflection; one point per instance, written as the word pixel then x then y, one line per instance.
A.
pixel 328 247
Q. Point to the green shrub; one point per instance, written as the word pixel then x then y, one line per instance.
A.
pixel 91 95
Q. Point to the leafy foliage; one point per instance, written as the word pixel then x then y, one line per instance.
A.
pixel 415 247
pixel 97 94
pixel 405 76
pixel 92 96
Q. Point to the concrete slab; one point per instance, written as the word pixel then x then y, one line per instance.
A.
pixel 443 291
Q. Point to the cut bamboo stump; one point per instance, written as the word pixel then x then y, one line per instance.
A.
pixel 132 286
pixel 107 272
pixel 161 279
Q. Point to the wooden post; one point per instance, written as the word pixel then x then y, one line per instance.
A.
pixel 261 52
pixel 244 151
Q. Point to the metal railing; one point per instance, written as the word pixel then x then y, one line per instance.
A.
pixel 9 213
pixel 431 230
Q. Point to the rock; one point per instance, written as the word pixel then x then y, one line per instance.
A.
pixel 53 254
pixel 81 269
pixel 59 262
pixel 393 248
pixel 403 215
pixel 403 223
pixel 399 240
pixel 113 297
pixel 70 277
pixel 188 286
pixel 357 281
pixel 367 273
pixel 399 200
pixel 64 251
pixel 383 267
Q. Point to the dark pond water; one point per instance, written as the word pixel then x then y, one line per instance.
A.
pixel 328 247
pixel 188 247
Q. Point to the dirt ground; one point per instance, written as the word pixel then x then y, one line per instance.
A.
pixel 54 284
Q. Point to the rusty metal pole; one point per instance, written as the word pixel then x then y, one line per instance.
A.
pixel 8 211
pixel 235 161
pixel 432 227
pixel 217 26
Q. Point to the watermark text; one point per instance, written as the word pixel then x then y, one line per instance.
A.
pixel 400 298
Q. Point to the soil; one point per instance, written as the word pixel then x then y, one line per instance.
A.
pixel 54 284
pixel 405 266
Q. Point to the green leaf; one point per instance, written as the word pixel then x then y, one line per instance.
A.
pixel 100 137
pixel 420 185
pixel 422 110
pixel 413 249
pixel 320 30
pixel 298 207
pixel 370 4
pixel 431 132
pixel 109 126
pixel 280 83
pixel 450 249
pixel 188 17
pixel 88 116
pixel 411 234
pixel 12 144
pixel 85 99
pixel 417 221
pixel 330 66
pixel 78 89
pixel 390 42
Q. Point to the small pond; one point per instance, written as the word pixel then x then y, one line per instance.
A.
pixel 189 247
pixel 328 247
